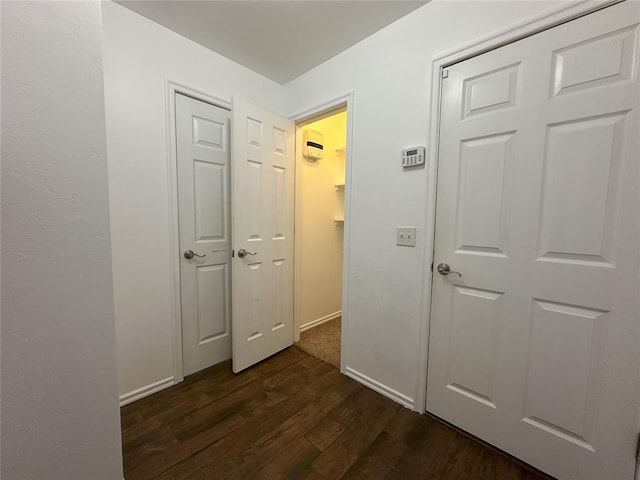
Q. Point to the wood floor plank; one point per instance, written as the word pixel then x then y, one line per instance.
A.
pixel 147 426
pixel 225 458
pixel 152 466
pixel 280 437
pixel 405 422
pixel 485 464
pixel 278 361
pixel 295 417
pixel 378 459
pixel 367 420
pixel 130 416
pixel 332 425
pixel 211 391
pixel 189 422
pixel 147 446
pixel 287 435
pixel 244 402
pixel 343 417
pixel 284 463
pixel 427 455
pixel 291 374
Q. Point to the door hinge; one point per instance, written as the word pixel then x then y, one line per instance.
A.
pixel 445 73
pixel 233 253
pixel 432 266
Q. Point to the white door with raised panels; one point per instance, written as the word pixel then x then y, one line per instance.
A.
pixel 535 348
pixel 202 141
pixel 262 186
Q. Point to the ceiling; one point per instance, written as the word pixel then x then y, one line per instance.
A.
pixel 278 39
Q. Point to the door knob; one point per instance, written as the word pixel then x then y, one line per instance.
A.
pixel 445 269
pixel 243 253
pixel 189 254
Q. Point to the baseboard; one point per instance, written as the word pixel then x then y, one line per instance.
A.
pixel 145 391
pixel 380 388
pixel 320 321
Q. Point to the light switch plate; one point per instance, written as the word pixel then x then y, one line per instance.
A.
pixel 406 236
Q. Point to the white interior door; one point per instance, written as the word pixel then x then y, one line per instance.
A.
pixel 202 133
pixel 536 347
pixel 262 186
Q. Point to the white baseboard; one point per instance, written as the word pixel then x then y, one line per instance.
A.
pixel 145 391
pixel 380 388
pixel 321 320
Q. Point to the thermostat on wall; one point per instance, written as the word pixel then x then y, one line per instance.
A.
pixel 413 156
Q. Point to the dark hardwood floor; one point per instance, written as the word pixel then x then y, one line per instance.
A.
pixel 295 417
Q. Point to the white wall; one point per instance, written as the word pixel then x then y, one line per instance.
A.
pixel 318 258
pixel 60 417
pixel 138 56
pixel 390 73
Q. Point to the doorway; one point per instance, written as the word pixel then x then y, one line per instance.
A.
pixel 534 318
pixel 319 229
pixel 243 156
pixel 261 201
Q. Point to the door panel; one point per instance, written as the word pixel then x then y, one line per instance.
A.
pixel 599 61
pixel 262 225
pixel 491 91
pixel 209 185
pixel 484 193
pixel 202 132
pixel 535 348
pixel 577 223
pixel 212 314
pixel 569 410
pixel 474 327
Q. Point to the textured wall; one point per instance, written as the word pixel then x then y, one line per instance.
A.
pixel 60 417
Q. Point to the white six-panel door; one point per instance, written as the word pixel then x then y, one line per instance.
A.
pixel 202 134
pixel 536 347
pixel 262 186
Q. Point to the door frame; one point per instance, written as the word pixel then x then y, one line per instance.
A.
pixel 171 88
pixel 325 108
pixel 491 42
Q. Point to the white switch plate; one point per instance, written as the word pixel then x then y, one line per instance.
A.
pixel 406 236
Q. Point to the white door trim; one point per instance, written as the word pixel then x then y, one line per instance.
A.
pixel 491 42
pixel 307 115
pixel 171 88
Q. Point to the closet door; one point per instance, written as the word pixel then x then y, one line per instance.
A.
pixel 534 348
pixel 202 132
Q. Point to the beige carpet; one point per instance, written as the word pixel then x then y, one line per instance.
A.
pixel 323 341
